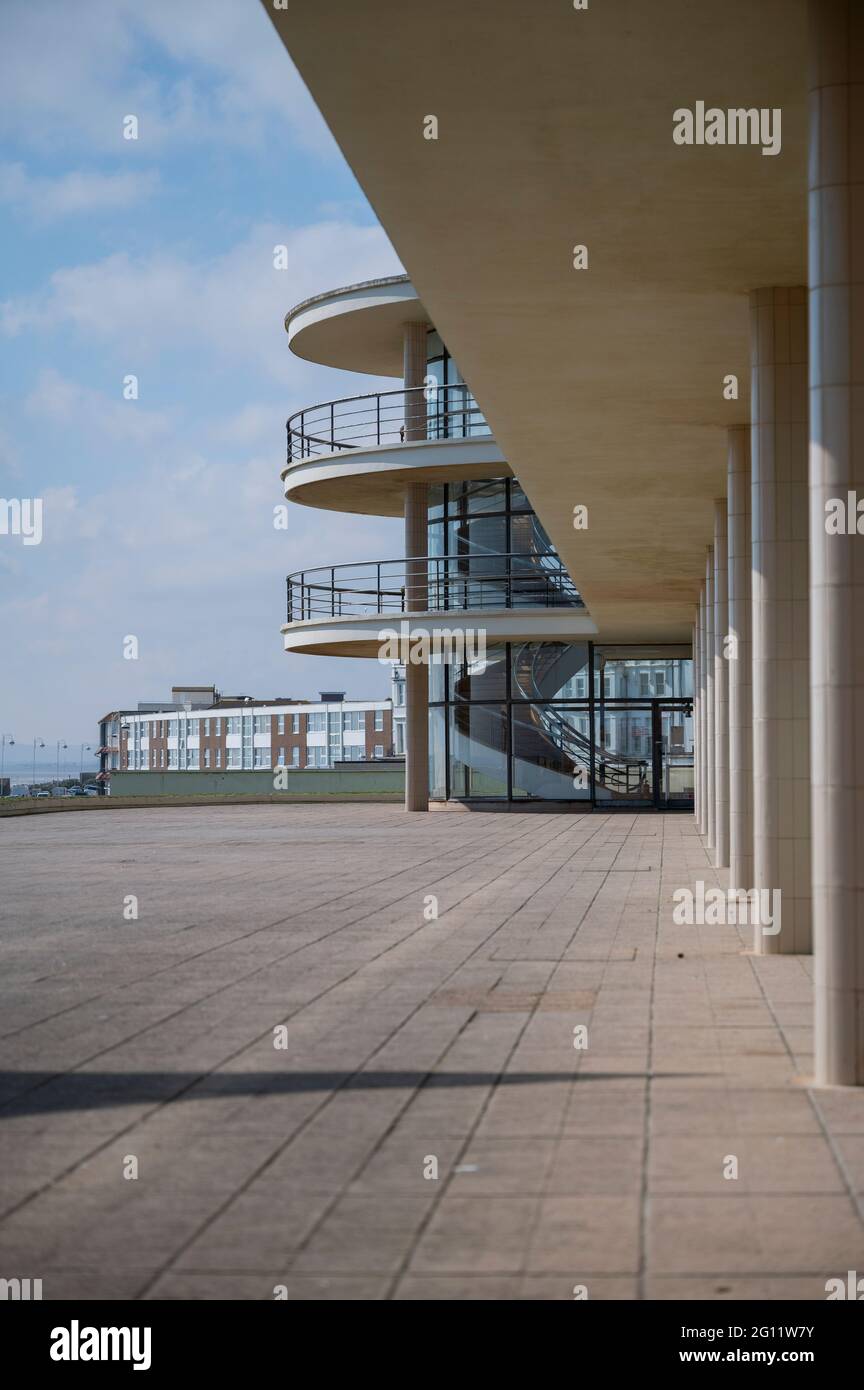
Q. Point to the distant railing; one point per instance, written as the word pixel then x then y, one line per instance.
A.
pixel 441 583
pixel 385 418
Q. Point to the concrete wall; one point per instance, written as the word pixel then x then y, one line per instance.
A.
pixel 302 782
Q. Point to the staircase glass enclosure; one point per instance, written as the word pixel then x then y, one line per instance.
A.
pixel 565 722
pixel 487 528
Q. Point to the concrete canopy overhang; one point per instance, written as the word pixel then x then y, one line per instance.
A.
pixel 604 387
pixel 357 328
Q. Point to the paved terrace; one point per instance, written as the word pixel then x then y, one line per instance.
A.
pixel 405 1038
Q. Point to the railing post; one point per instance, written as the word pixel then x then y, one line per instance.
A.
pixel 332 429
pixel 378 421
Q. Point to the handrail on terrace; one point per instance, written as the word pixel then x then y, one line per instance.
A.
pixel 381 418
pixel 437 583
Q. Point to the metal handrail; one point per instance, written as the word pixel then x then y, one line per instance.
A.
pixel 436 583
pixel 385 418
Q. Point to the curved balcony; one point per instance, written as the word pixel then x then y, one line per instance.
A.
pixel 431 584
pixel 358 328
pixel 381 419
pixel 358 454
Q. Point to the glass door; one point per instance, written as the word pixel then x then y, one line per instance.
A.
pixel 673 769
pixel 624 764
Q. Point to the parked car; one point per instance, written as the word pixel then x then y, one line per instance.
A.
pixel 91 791
pixel 42 793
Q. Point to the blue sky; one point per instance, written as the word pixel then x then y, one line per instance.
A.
pixel 155 258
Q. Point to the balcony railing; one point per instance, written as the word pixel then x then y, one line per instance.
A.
pixel 384 418
pixel 441 583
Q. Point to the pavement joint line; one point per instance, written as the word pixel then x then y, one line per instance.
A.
pixel 309 1119
pixel 216 947
pixel 171 1100
pixel 405 971
pixel 856 1198
pixel 471 1138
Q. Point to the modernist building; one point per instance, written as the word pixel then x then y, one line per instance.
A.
pixel 548 713
pixel 638 228
pixel 237 733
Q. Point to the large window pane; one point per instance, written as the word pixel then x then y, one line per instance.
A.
pixel 489 495
pixel 437 754
pixel 482 680
pixel 435 501
pixel 528 536
pixel 623 754
pixel 550 670
pixel 552 752
pixel 482 535
pixel 643 677
pixel 478 750
pixel 676 756
pixel 438 673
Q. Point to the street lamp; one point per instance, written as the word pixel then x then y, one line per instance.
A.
pixel 41 745
pixel 85 748
pixel 11 742
pixel 59 746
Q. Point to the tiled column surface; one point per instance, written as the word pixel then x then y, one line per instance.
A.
pixel 703 718
pixel 416 677
pixel 711 805
pixel 837 560
pixel 781 726
pixel 721 690
pixel 414 371
pixel 740 663
pixel 697 752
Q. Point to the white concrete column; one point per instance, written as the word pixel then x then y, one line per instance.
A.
pixel 710 787
pixel 416 677
pixel 703 717
pixel 721 689
pixel 696 640
pixel 781 699
pixel 740 662
pixel 416 576
pixel 837 550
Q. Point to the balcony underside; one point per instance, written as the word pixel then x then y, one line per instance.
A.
pixel 362 636
pixel 372 481
pixel 358 328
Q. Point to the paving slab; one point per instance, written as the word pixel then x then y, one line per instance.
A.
pixel 282 1081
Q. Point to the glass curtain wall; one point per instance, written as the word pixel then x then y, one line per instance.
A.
pixel 489 548
pixel 451 411
pixel 536 721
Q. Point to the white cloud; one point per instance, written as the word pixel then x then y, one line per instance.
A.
pixel 79 191
pixel 92 413
pixel 175 544
pixel 232 304
pixel 73 71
